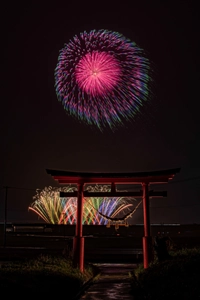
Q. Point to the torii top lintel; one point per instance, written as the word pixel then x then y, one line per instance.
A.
pixel 152 177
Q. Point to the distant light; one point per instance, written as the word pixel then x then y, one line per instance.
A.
pixel 160 224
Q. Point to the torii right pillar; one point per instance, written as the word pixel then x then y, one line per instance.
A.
pixel 147 239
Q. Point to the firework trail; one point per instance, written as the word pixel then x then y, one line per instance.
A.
pixel 102 78
pixel 51 208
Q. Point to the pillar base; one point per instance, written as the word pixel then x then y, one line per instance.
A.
pixel 147 251
pixel 78 253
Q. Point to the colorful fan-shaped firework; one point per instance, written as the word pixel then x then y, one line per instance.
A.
pixel 53 209
pixel 102 78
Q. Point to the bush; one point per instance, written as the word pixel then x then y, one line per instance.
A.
pixel 44 275
pixel 169 279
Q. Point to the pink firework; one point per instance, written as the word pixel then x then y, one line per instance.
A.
pixel 103 78
pixel 97 73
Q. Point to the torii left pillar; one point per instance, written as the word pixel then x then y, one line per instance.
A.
pixel 78 242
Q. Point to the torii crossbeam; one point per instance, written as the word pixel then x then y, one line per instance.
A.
pixel 145 179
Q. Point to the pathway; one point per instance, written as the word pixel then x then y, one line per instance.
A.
pixel 113 282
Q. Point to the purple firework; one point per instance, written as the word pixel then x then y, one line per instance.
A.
pixel 102 78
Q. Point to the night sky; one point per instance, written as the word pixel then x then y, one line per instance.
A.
pixel 36 133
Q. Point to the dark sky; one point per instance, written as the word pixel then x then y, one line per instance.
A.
pixel 36 133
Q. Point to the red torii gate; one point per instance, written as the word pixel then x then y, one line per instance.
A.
pixel 81 178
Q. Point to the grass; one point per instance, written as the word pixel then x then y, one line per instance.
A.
pixel 47 275
pixel 44 275
pixel 175 278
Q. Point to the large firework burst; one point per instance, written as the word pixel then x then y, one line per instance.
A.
pixel 102 78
